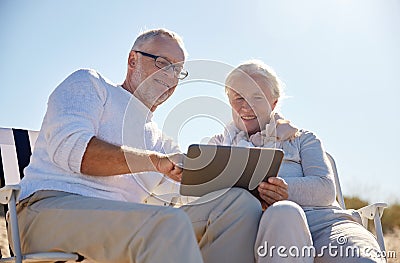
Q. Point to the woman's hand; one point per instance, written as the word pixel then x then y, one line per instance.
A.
pixel 276 189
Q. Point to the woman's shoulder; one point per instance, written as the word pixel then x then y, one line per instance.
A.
pixel 306 137
pixel 306 134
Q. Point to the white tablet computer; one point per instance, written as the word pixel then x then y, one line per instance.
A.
pixel 208 168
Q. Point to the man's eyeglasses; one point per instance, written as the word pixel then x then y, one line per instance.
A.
pixel 164 64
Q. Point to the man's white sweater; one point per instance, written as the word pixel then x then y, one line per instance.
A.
pixel 86 105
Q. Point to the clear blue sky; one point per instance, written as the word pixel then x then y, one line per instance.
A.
pixel 340 61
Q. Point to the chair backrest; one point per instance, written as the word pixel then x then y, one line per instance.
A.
pixel 339 194
pixel 15 151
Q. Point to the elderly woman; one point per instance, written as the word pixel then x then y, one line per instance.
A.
pixel 301 215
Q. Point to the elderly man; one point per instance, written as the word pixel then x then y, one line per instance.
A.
pixel 81 192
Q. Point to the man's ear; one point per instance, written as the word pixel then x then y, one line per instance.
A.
pixel 132 59
pixel 274 104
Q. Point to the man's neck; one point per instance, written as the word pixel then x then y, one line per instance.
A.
pixel 127 87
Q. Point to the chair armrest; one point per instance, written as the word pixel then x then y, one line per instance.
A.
pixel 9 195
pixel 45 256
pixel 51 256
pixel 374 212
pixel 370 211
pixel 6 192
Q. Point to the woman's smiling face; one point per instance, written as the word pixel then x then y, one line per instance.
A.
pixel 251 101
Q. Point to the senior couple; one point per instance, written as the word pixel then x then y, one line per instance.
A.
pixel 98 154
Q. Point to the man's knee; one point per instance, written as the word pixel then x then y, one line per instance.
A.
pixel 244 201
pixel 173 216
pixel 168 224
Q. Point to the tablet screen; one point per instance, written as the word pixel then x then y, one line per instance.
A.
pixel 209 168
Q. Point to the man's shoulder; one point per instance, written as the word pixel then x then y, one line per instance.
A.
pixel 88 77
pixel 83 81
pixel 84 74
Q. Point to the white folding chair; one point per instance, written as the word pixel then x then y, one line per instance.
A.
pixel 15 152
pixel 369 212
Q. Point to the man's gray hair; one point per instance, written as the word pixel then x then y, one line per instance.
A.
pixel 257 67
pixel 151 34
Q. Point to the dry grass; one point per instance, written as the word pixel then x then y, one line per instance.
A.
pixel 390 225
pixel 392 243
pixel 3 235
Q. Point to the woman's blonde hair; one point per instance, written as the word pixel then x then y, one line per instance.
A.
pixel 256 67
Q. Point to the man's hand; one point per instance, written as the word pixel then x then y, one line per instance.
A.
pixel 276 189
pixel 167 164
